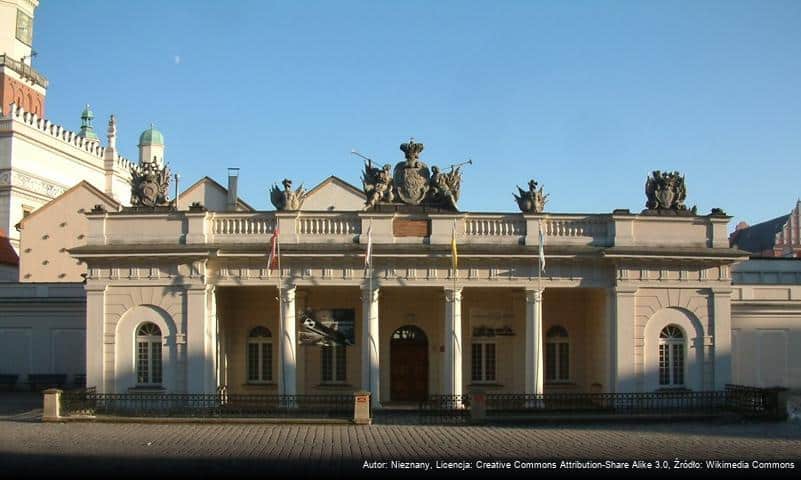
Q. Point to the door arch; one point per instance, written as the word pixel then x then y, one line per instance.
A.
pixel 408 355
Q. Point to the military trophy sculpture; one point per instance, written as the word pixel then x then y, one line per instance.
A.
pixel 287 199
pixel 149 184
pixel 412 182
pixel 666 193
pixel 533 200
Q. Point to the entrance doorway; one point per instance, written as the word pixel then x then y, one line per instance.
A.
pixel 408 354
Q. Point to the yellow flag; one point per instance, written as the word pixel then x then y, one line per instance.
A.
pixel 454 253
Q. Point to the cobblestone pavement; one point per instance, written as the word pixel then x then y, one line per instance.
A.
pixel 28 445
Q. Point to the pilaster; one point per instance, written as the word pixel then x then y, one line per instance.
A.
pixel 201 341
pixel 721 332
pixel 623 302
pixel 95 348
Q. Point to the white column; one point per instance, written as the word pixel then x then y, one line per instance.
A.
pixel 534 353
pixel 721 332
pixel 452 363
pixel 371 375
pixel 287 360
pixel 200 339
pixel 95 346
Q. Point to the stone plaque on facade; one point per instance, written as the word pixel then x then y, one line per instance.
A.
pixel 406 227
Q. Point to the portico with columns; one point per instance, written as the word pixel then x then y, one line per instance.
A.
pixel 596 321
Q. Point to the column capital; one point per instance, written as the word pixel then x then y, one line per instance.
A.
pixel 453 294
pixel 95 289
pixel 623 291
pixel 288 294
pixel 370 295
pixel 534 295
pixel 721 291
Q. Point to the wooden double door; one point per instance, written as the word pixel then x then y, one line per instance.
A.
pixel 408 356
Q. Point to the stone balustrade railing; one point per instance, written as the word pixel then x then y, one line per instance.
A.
pixel 229 227
pixel 494 226
pixel 329 224
pixel 623 230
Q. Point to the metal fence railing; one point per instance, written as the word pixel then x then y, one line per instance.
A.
pixel 445 409
pixel 653 403
pixel 753 401
pixel 89 402
pixel 435 409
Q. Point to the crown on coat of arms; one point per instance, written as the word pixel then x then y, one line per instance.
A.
pixel 411 149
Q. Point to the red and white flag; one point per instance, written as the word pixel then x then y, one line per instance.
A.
pixel 273 262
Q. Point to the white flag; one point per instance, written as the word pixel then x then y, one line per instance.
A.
pixel 542 249
pixel 368 256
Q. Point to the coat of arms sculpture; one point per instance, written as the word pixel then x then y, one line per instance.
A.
pixel 412 182
pixel 287 199
pixel 666 193
pixel 533 200
pixel 149 184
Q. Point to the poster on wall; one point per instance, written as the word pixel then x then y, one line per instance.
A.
pixel 327 327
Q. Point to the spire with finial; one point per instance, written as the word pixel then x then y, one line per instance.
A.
pixel 112 133
pixel 87 131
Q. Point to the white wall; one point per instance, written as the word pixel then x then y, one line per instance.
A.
pixel 42 330
pixel 766 323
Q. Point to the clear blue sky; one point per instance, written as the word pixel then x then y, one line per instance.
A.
pixel 585 96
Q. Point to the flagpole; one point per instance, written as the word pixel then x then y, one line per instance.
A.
pixel 282 351
pixel 369 254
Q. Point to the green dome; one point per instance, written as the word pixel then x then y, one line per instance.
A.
pixel 151 136
pixel 86 124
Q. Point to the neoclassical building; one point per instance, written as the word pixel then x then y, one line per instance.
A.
pixel 185 301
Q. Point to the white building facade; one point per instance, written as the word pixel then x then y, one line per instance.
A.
pixel 627 302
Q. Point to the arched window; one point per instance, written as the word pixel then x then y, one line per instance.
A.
pixel 333 362
pixel 148 354
pixel 671 356
pixel 557 355
pixel 260 355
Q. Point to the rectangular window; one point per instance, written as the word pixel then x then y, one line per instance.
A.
pixel 557 361
pixel 678 364
pixel 260 362
pixel 550 361
pixel 156 362
pixel 564 363
pixel 483 362
pixel 142 371
pixel 266 362
pixel 664 371
pixel 477 360
pixel 253 362
pixel 333 363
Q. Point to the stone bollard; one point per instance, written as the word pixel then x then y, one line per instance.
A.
pixel 478 407
pixel 361 408
pixel 52 405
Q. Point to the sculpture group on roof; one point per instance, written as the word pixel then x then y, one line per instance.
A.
pixel 149 184
pixel 412 182
pixel 287 199
pixel 533 200
pixel 666 193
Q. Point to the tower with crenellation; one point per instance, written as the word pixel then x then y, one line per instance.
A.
pixel 40 159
